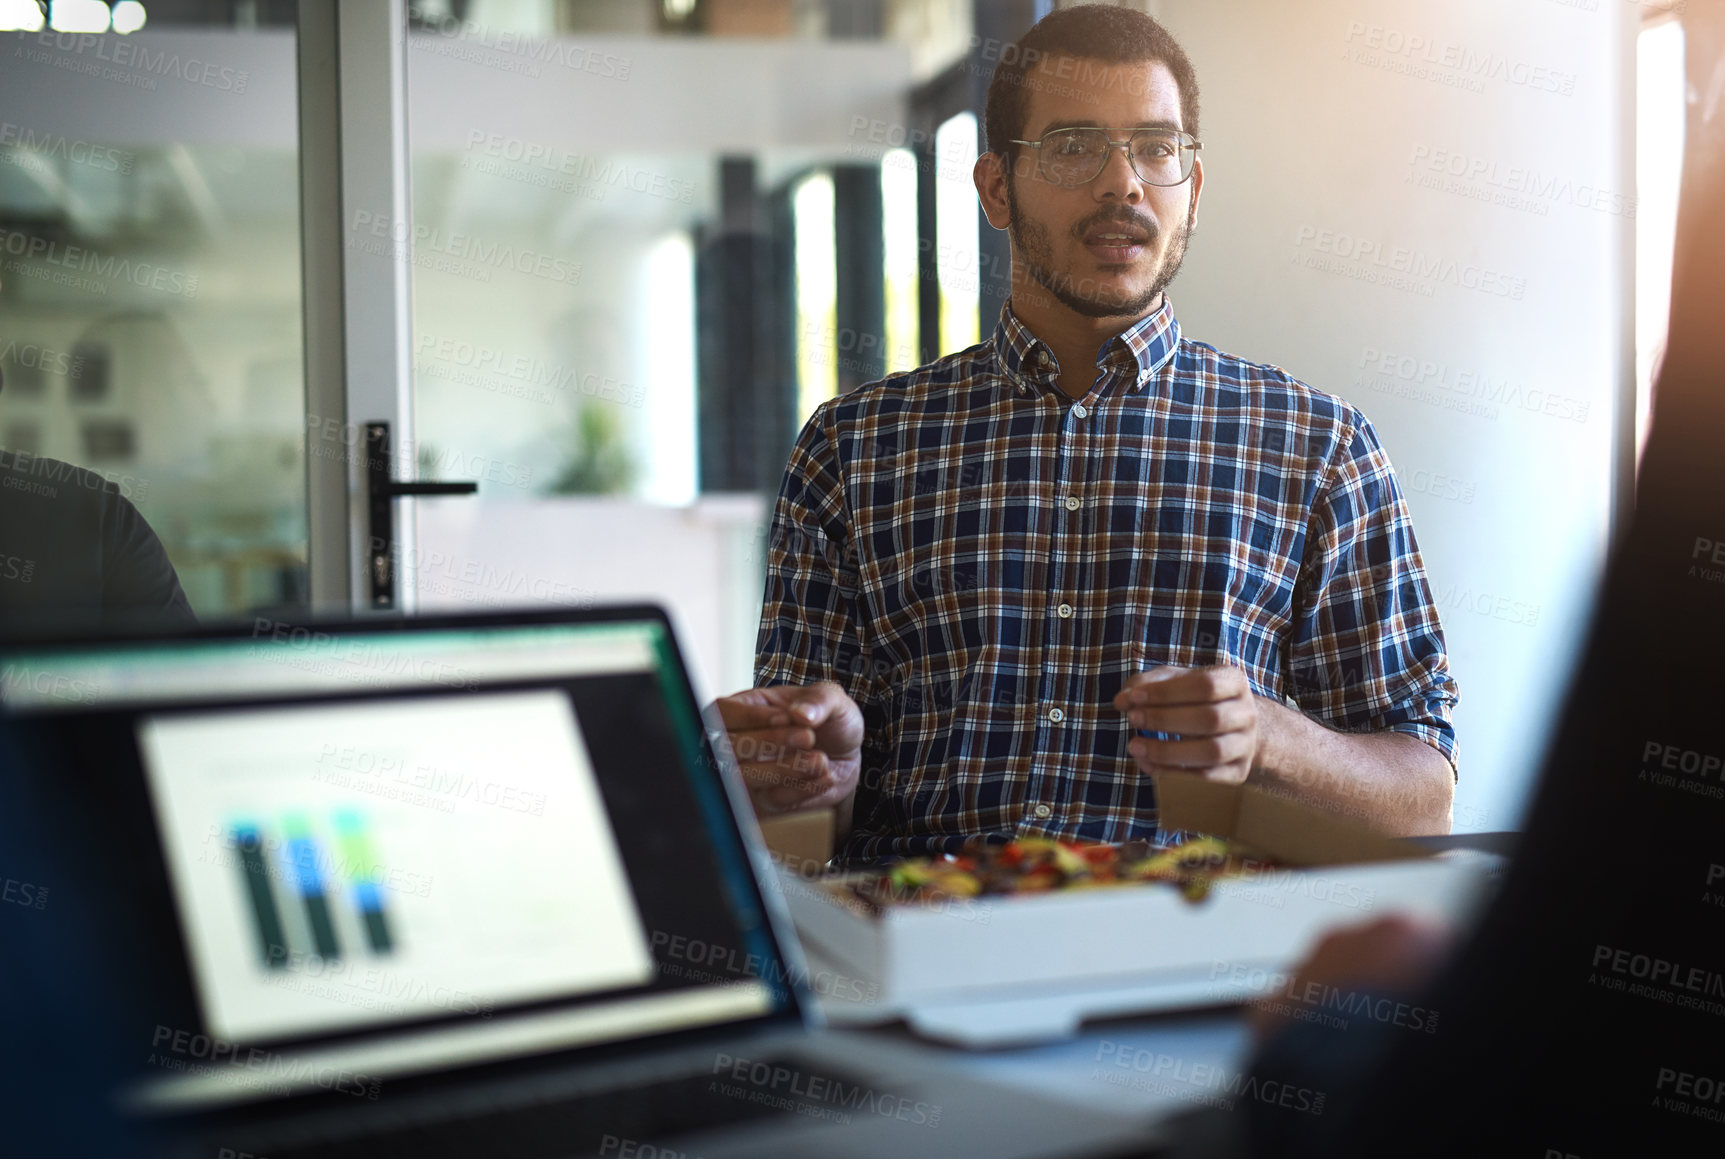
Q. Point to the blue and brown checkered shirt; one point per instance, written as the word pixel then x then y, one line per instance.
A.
pixel 981 561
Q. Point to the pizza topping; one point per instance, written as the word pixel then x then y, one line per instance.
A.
pixel 1043 865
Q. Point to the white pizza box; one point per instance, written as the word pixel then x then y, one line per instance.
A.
pixel 997 969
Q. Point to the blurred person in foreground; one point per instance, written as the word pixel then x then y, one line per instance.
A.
pixel 76 557
pixel 1583 1018
pixel 1008 587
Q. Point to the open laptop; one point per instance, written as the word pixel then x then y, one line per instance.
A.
pixel 455 886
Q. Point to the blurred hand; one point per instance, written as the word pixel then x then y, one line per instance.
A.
pixel 1395 955
pixel 1211 712
pixel 798 748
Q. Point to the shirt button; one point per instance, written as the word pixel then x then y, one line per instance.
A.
pixel 1043 811
pixel 1079 411
pixel 1044 359
pixel 1056 715
pixel 1065 611
pixel 1072 503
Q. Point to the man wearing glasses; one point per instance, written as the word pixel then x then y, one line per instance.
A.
pixel 1005 589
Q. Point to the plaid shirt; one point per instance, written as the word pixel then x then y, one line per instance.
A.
pixel 981 561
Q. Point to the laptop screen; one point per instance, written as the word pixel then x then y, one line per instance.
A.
pixel 451 839
pixel 306 857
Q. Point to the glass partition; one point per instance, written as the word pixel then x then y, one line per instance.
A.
pixel 150 280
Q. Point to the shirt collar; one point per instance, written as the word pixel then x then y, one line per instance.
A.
pixel 1144 349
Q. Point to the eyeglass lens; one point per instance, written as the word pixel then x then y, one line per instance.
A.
pixel 1075 156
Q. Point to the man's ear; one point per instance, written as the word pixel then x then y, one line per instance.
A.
pixel 1197 191
pixel 990 176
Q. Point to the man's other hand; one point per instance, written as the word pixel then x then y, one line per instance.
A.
pixel 798 748
pixel 1208 716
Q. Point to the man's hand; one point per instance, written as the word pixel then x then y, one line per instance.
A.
pixel 798 748
pixel 1211 713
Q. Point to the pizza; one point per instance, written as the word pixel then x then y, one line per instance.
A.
pixel 1036 865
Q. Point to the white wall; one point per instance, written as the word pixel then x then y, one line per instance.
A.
pixel 1501 412
pixel 703 562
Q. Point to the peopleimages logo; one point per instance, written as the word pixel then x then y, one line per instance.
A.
pixel 1318 1002
pixel 1688 1093
pixel 448 357
pixel 1419 56
pixel 53 147
pixel 1463 389
pixel 1513 186
pixel 17 681
pixel 23 893
pixel 1659 979
pixel 184 1050
pixel 471 42
pixel 451 783
pixel 17 568
pixel 1422 270
pixel 106 267
pixel 1209 1085
pixel 81 52
pixel 39 476
pixel 585 172
pixel 427 242
pixel 787 1086
pixel 49 361
pixel 708 962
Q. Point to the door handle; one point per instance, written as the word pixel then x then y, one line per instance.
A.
pixel 382 489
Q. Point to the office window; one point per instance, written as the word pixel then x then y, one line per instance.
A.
pixel 669 388
pixel 900 249
pixel 1660 135
pixel 957 220
pixel 818 339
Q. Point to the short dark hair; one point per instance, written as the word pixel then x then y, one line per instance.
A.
pixel 1102 32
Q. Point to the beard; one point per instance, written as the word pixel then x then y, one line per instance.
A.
pixel 1033 246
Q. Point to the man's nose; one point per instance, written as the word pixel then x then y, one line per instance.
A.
pixel 1118 179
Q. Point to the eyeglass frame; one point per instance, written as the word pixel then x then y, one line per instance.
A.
pixel 1194 144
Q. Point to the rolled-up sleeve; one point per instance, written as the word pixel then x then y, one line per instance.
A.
pixel 810 613
pixel 1367 650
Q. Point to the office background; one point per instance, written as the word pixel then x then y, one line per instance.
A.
pixel 637 241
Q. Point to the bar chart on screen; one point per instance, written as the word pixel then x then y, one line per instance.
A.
pixel 309 893
pixel 345 865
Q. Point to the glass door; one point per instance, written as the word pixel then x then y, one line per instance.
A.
pixel 649 238
pixel 151 343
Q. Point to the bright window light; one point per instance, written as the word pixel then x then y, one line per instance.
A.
pixel 957 222
pixel 1660 130
pixel 817 294
pixel 20 16
pixel 670 385
pixel 129 16
pixel 79 16
pixel 898 238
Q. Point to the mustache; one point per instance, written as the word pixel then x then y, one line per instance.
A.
pixel 1122 216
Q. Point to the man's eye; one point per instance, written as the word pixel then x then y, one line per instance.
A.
pixel 1074 147
pixel 1156 150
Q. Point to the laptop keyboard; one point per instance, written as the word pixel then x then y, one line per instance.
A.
pixel 588 1124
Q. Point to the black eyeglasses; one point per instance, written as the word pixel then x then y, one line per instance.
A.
pixel 1077 156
